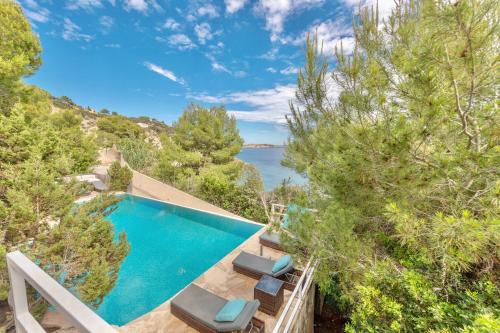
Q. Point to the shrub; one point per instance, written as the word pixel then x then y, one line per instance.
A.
pixel 120 126
pixel 139 154
pixel 119 177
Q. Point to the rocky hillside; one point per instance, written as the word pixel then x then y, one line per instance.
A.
pixel 152 128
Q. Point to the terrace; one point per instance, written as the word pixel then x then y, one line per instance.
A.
pixel 295 315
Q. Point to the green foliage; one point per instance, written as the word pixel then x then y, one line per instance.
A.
pixel 38 149
pixel 157 126
pixel 4 282
pixel 119 177
pixel 453 243
pixel 106 139
pixel 243 199
pixel 199 158
pixel 286 193
pixel 55 138
pixel 31 199
pixel 81 251
pixel 177 166
pixel 114 128
pixel 38 218
pixel 139 154
pixel 375 313
pixel 80 148
pixel 202 138
pixel 64 102
pixel 483 324
pixel 19 52
pixel 403 166
pixel 210 132
pixel 405 301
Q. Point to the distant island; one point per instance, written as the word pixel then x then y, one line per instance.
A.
pixel 262 145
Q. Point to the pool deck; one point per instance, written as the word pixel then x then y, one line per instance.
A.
pixel 221 280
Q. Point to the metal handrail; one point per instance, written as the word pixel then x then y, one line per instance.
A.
pixel 300 291
pixel 303 291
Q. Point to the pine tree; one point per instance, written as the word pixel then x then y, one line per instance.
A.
pixel 200 158
pixel 38 150
pixel 404 165
pixel 19 52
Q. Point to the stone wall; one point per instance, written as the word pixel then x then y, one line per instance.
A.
pixel 148 187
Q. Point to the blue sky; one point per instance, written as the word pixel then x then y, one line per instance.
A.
pixel 154 57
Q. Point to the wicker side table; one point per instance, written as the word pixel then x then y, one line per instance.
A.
pixel 269 291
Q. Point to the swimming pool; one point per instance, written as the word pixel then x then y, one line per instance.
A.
pixel 170 247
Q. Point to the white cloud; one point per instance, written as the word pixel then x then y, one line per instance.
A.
pixel 240 74
pixel 330 35
pixel 271 70
pixel 262 105
pixel 113 46
pixel 106 23
pixel 31 4
pixel 71 32
pixel 41 15
pixel 216 66
pixel 181 42
pixel 164 72
pixel 384 6
pixel 259 116
pixel 139 5
pixel 265 105
pixel 216 48
pixel 272 54
pixel 207 9
pixel 276 13
pixel 171 24
pixel 334 33
pixel 83 4
pixel 154 4
pixel 203 32
pixel 142 6
pixel 35 12
pixel 232 6
pixel 289 70
pixel 219 67
pixel 199 9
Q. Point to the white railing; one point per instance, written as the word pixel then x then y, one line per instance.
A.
pixel 277 212
pixel 22 271
pixel 296 300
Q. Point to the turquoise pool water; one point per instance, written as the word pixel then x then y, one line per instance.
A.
pixel 170 247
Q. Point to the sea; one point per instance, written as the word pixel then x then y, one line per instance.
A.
pixel 268 162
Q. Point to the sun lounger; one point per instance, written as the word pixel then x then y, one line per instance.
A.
pixel 198 307
pixel 271 239
pixel 255 266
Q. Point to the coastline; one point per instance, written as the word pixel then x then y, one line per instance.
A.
pixel 268 163
pixel 262 145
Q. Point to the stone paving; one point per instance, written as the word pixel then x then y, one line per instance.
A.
pixel 219 279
